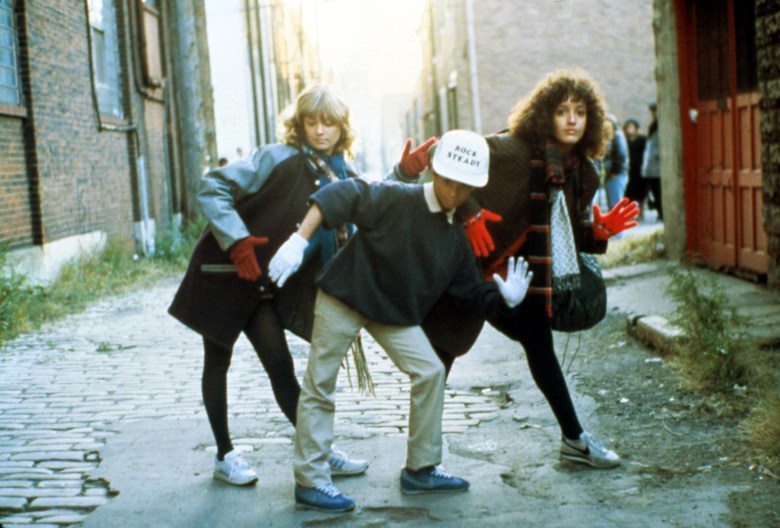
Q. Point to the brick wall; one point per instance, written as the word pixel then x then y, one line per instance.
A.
pixel 15 214
pixel 84 173
pixel 518 43
pixel 768 45
pixel 159 189
pixel 85 178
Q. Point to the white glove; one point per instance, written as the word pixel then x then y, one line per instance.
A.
pixel 287 259
pixel 518 278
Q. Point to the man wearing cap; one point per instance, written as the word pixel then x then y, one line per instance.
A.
pixel 407 252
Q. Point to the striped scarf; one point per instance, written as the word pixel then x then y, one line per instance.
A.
pixel 552 253
pixel 330 169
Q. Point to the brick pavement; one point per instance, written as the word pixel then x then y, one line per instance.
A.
pixel 64 391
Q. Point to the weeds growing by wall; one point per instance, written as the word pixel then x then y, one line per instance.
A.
pixel 716 335
pixel 113 270
pixel 717 357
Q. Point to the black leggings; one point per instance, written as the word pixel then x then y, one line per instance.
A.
pixel 529 326
pixel 265 332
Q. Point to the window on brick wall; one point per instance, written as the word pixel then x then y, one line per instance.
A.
pixel 9 66
pixel 105 57
pixel 150 41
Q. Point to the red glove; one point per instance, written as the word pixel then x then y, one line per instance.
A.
pixel 476 230
pixel 242 253
pixel 615 221
pixel 413 162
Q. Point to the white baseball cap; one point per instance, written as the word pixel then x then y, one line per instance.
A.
pixel 462 156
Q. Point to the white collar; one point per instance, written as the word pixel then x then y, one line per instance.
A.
pixel 433 203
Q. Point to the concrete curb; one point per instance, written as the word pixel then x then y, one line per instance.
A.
pixel 655 331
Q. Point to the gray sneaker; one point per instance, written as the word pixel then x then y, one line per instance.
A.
pixel 342 465
pixel 588 450
pixel 234 470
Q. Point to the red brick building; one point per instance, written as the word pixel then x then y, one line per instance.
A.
pixel 480 58
pixel 89 140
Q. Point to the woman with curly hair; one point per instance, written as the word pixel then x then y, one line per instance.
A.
pixel 252 206
pixel 537 200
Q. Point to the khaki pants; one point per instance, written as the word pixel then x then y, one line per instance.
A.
pixel 335 327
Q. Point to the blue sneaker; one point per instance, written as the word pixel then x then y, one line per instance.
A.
pixel 325 498
pixel 430 480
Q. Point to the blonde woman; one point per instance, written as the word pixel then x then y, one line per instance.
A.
pixel 252 206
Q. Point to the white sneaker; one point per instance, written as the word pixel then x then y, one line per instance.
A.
pixel 588 450
pixel 234 470
pixel 341 465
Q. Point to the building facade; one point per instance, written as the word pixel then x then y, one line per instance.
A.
pixel 91 136
pixel 261 59
pixel 480 58
pixel 711 65
pixel 718 126
pixel 768 59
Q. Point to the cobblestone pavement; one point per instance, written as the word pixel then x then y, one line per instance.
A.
pixel 65 389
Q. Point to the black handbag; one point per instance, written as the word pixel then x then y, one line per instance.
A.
pixel 583 308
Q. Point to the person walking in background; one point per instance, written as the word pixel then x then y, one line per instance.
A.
pixel 651 164
pixel 536 205
pixel 636 190
pixel 252 205
pixel 406 253
pixel 615 164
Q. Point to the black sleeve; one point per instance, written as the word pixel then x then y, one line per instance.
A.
pixel 356 201
pixel 472 293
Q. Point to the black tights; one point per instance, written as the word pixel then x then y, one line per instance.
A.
pixel 265 332
pixel 532 330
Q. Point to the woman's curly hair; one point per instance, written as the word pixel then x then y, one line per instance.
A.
pixel 317 101
pixel 532 117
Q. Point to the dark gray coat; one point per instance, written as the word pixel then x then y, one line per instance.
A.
pixel 218 305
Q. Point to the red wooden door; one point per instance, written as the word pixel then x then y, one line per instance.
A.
pixel 751 237
pixel 714 185
pixel 728 226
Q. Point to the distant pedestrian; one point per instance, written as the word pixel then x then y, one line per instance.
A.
pixel 252 205
pixel 406 253
pixel 615 164
pixel 651 164
pixel 637 188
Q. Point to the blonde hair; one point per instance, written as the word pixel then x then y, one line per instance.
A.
pixel 532 117
pixel 319 101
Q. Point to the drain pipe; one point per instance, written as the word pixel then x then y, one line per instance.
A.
pixel 472 52
pixel 147 227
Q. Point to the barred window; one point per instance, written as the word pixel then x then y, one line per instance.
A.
pixel 105 57
pixel 9 66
